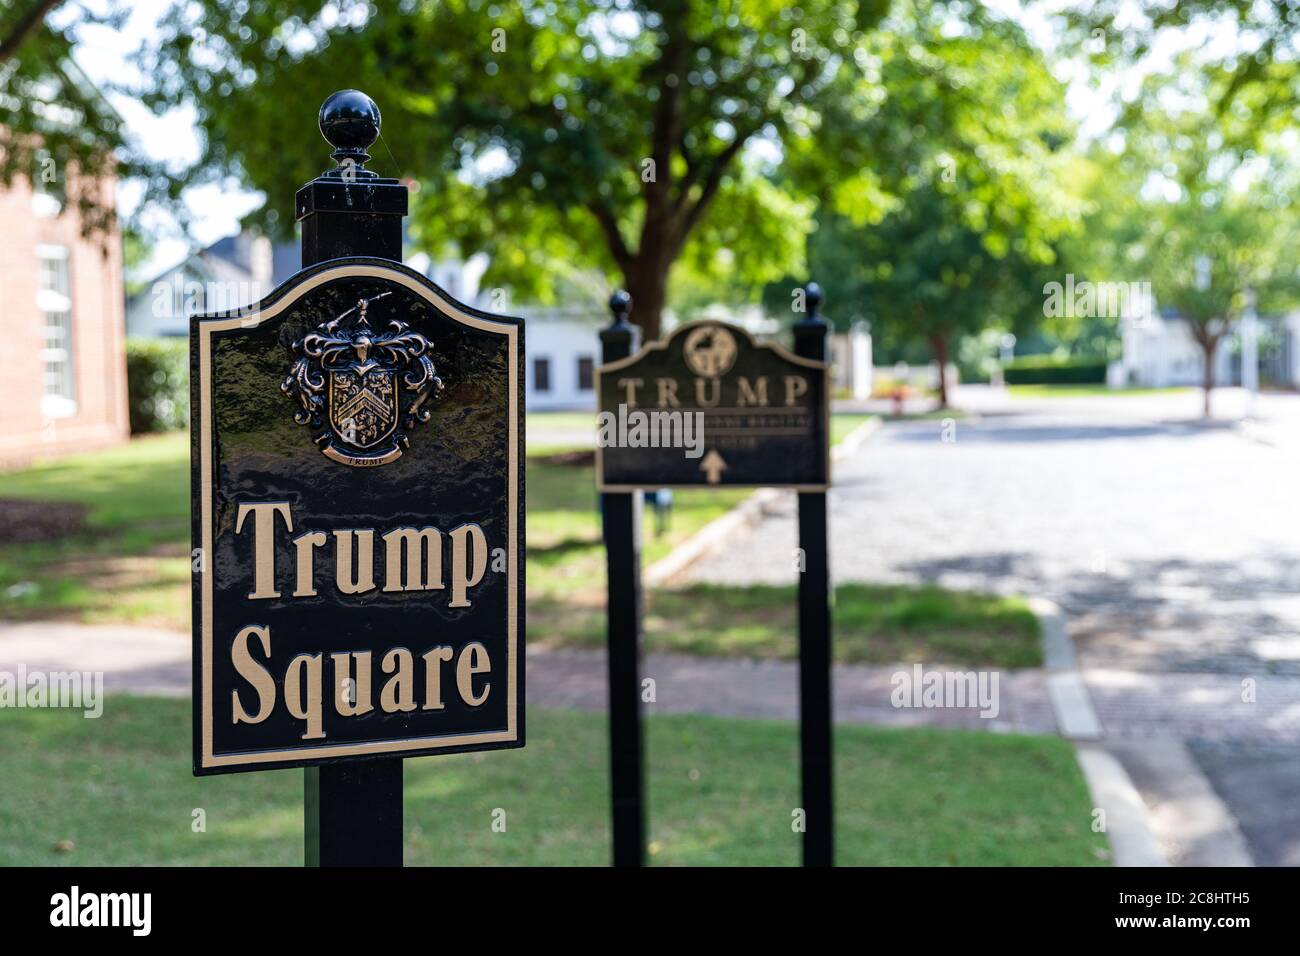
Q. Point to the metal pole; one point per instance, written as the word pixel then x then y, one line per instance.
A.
pixel 352 811
pixel 621 523
pixel 815 745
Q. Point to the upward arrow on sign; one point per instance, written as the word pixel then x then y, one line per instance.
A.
pixel 713 466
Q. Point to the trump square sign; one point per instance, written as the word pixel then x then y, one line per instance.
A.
pixel 358 523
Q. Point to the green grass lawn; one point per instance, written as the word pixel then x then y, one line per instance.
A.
pixel 844 425
pixel 1086 391
pixel 872 624
pixel 118 790
pixel 536 422
pixel 132 564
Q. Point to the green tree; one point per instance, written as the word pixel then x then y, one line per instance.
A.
pixel 1210 219
pixel 623 134
pixel 1252 66
pixel 57 131
pixel 977 126
pixel 1213 241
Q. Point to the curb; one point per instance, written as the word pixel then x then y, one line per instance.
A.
pixel 1193 825
pixel 1127 820
pixel 1127 825
pixel 745 515
pixel 1071 704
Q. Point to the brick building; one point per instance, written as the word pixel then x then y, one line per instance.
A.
pixel 62 330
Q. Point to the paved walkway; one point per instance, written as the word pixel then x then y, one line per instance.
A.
pixel 1130 704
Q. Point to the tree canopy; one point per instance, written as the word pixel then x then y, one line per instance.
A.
pixel 620 134
pixel 983 197
pixel 57 132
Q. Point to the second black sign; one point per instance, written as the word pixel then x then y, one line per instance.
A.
pixel 710 406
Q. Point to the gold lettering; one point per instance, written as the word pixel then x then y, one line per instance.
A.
pixel 399 692
pixel 795 386
pixel 254 673
pixel 264 513
pixel 461 556
pixel 747 395
pixel 305 543
pixel 423 564
pixel 668 393
pixel 434 658
pixel 310 709
pixel 713 400
pixel 473 660
pixel 630 385
pixel 365 577
pixel 358 701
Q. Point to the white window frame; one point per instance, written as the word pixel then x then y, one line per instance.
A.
pixel 52 302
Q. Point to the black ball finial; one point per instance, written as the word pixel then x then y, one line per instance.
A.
pixel 620 303
pixel 813 296
pixel 349 121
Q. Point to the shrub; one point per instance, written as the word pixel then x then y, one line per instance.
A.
pixel 1054 370
pixel 158 384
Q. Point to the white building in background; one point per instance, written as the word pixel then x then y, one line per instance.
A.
pixel 562 349
pixel 1159 351
pixel 228 274
pixel 562 346
pixel 241 269
pixel 851 371
pixel 460 279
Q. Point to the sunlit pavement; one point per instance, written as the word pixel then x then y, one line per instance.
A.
pixel 1172 543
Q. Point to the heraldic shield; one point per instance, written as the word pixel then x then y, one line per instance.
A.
pixel 373 385
pixel 363 404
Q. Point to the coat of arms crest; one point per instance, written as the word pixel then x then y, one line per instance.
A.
pixel 362 391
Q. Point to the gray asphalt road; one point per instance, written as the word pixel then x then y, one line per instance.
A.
pixel 1173 545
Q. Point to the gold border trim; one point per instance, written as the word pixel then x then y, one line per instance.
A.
pixel 660 345
pixel 414 745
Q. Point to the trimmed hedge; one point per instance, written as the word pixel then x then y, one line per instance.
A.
pixel 1052 370
pixel 158 384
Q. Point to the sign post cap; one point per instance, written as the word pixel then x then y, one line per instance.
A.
pixel 813 298
pixel 350 122
pixel 620 304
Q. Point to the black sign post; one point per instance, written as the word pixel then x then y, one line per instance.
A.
pixel 815 595
pixel 358 515
pixel 711 407
pixel 621 522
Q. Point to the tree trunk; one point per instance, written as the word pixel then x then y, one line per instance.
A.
pixel 27 25
pixel 1208 348
pixel 939 346
pixel 647 283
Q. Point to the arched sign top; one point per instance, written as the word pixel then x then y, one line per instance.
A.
pixel 737 332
